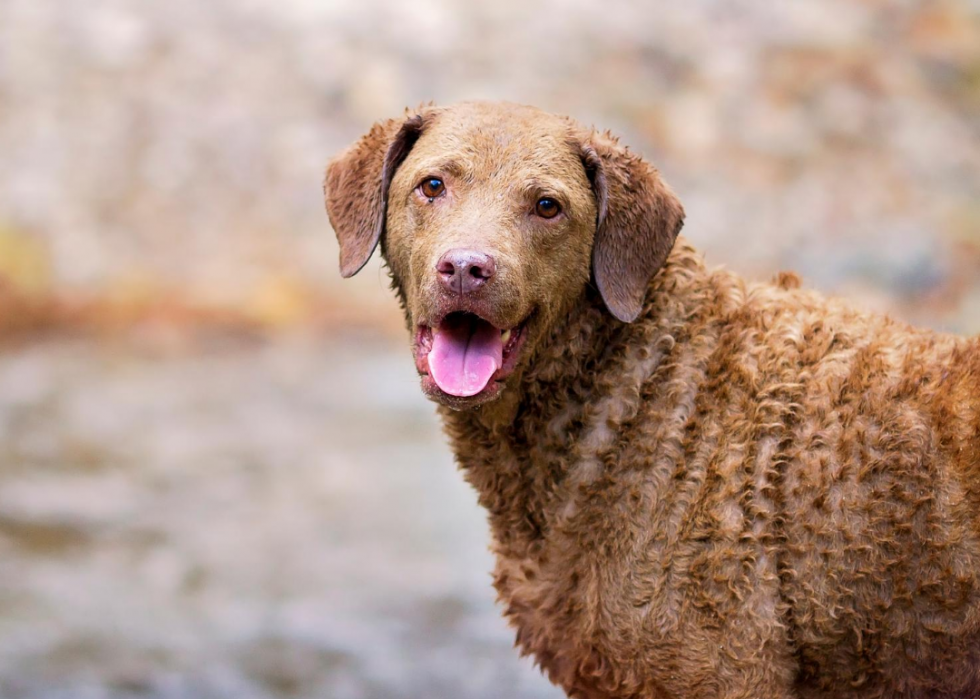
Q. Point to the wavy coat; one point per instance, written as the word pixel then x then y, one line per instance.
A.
pixel 747 491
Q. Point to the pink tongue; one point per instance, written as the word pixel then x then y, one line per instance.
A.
pixel 466 351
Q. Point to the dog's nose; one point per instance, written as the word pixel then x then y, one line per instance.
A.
pixel 465 271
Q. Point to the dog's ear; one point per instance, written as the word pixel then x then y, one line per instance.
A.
pixel 638 219
pixel 356 187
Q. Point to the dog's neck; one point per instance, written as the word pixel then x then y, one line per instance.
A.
pixel 556 416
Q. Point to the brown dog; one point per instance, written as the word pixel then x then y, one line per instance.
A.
pixel 697 486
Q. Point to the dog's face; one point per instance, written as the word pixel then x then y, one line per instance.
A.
pixel 492 218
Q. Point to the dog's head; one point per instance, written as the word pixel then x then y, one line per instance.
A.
pixel 492 218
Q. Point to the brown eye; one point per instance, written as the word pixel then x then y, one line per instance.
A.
pixel 547 208
pixel 432 187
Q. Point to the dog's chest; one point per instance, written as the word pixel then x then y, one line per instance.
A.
pixel 568 600
pixel 612 597
pixel 613 585
pixel 615 555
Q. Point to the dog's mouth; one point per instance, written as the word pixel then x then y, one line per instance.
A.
pixel 465 355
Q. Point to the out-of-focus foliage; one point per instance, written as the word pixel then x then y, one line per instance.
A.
pixel 24 263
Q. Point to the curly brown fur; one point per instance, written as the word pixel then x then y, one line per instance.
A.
pixel 749 491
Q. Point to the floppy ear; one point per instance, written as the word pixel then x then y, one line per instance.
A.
pixel 638 220
pixel 356 187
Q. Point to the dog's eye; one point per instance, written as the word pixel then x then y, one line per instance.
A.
pixel 432 187
pixel 547 208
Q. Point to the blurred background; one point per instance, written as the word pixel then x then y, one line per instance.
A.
pixel 218 477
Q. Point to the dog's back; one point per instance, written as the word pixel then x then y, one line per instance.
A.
pixel 872 433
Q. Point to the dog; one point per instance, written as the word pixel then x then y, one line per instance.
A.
pixel 697 486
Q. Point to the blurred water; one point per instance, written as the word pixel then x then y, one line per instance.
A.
pixel 245 520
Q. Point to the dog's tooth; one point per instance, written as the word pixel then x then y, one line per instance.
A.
pixel 504 336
